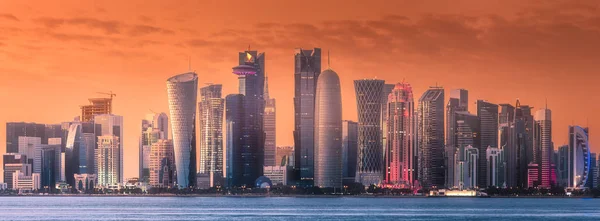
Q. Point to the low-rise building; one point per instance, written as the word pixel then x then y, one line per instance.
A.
pixel 277 174
pixel 25 182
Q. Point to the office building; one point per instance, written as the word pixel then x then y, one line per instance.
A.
pixel 155 127
pixel 466 163
pixel 25 181
pixel 488 134
pixel 182 92
pixel 111 125
pixel 269 124
pixel 108 161
pixel 387 89
pixel 562 166
pixel 84 182
pixel 579 157
pixel 328 131
pixel 496 165
pixel 592 182
pixel 162 164
pixel 97 106
pixel 542 143
pixel 523 141
pixel 14 130
pixel 458 102
pixel 370 156
pixel 13 162
pixel 533 175
pixel 431 138
pixel 506 133
pixel 349 150
pixel 234 114
pixel 277 174
pixel 401 139
pixel 27 147
pixel 47 163
pixel 307 68
pixel 285 156
pixel 210 121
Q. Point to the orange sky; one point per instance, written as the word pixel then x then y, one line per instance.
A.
pixel 56 54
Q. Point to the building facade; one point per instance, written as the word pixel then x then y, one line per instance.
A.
pixel 108 161
pixel 579 157
pixel 270 123
pixel 349 150
pixel 431 138
pixel 488 120
pixel 466 163
pixel 162 164
pixel 458 102
pixel 400 161
pixel 155 127
pixel 182 92
pixel 496 172
pixel 328 131
pixel 542 142
pixel 13 162
pixel 234 114
pixel 307 68
pixel 210 121
pixel 370 157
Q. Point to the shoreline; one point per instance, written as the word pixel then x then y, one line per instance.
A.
pixel 300 196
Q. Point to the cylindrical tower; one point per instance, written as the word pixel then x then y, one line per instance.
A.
pixel 182 92
pixel 328 131
pixel 370 149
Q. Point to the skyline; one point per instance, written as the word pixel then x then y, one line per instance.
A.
pixel 56 82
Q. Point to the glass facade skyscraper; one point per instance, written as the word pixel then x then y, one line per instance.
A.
pixel 349 150
pixel 307 67
pixel 210 124
pixel 400 161
pixel 488 120
pixel 458 102
pixel 431 138
pixel 370 157
pixel 182 92
pixel 328 131
pixel 542 133
pixel 234 114
pixel 579 157
pixel 270 128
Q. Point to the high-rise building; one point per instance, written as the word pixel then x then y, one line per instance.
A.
pixel 307 67
pixel 154 128
pixel 285 156
pixel 13 162
pixel 27 147
pixel 210 121
pixel 466 163
pixel 387 89
pixel 14 130
pixel 562 166
pixel 328 131
pixel 466 133
pixel 97 106
pixel 47 163
pixel 578 161
pixel 74 144
pixel 431 138
pixel 488 134
pixel 506 130
pixel 370 156
pixel 234 114
pixel 542 133
pixel 401 139
pixel 270 123
pixel 251 76
pixel 182 92
pixel 162 164
pixel 496 165
pixel 458 102
pixel 108 160
pixel 592 182
pixel 523 143
pixel 111 125
pixel 349 150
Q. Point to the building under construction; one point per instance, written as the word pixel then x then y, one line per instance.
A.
pixel 97 106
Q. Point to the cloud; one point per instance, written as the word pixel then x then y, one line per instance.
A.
pixel 9 17
pixel 199 43
pixel 138 30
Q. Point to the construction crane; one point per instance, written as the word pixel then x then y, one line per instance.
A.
pixel 110 93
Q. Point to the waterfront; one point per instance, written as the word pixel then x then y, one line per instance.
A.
pixel 289 208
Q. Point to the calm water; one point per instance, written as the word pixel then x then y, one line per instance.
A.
pixel 279 208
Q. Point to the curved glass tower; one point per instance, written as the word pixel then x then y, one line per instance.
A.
pixel 182 91
pixel 370 156
pixel 328 131
pixel 579 157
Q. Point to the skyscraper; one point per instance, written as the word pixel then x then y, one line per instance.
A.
pixel 401 139
pixel 270 123
pixel 562 166
pixel 523 141
pixel 182 91
pixel 488 119
pixel 506 127
pixel 328 131
pixel 458 102
pixel 466 163
pixel 370 156
pixel 578 161
pixel 162 165
pixel 349 150
pixel 154 128
pixel 14 130
pixel 387 89
pixel 234 114
pixel 307 67
pixel 73 145
pixel 431 138
pixel 112 125
pixel 210 122
pixel 251 76
pixel 542 131
pixel 97 106
pixel 109 161
pixel 495 167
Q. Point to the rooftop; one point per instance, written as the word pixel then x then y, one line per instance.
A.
pixel 185 77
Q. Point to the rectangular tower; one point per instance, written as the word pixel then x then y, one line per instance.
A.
pixel 210 121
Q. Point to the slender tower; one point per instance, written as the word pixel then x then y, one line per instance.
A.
pixel 269 125
pixel 400 156
pixel 370 156
pixel 328 131
pixel 210 122
pixel 431 138
pixel 542 132
pixel 182 92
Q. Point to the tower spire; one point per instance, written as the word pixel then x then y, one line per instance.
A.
pixel 266 92
pixel 328 60
pixel 190 63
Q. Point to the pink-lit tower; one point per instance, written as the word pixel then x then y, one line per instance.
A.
pixel 400 160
